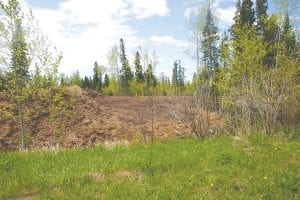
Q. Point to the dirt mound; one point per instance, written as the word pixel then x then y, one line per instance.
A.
pixel 88 119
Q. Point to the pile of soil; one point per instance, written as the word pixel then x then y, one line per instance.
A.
pixel 90 119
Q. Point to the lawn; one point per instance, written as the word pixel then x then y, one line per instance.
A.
pixel 223 167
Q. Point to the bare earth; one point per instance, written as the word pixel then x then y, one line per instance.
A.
pixel 94 119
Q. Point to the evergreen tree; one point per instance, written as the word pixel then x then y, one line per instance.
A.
pixel 209 43
pixel 243 21
pixel 106 81
pixel 37 77
pixel 126 74
pixel 150 78
pixel 2 81
pixel 97 77
pixel 261 15
pixel 62 81
pixel 288 35
pixel 75 79
pixel 100 83
pixel 237 16
pixel 247 13
pixel 175 77
pixel 180 77
pixel 237 19
pixel 86 83
pixel 225 51
pixel 138 68
pixel 271 40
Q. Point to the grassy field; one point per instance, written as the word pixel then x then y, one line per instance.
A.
pixel 218 168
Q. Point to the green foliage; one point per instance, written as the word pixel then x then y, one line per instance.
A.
pixel 7 111
pixel 57 111
pixel 288 36
pixel 237 19
pixel 150 79
pixel 86 83
pixel 125 72
pixel 209 42
pixel 113 87
pixel 261 15
pixel 178 78
pixel 258 84
pixel 75 79
pixel 3 81
pixel 259 167
pixel 248 60
pixel 137 88
pixel 247 13
pixel 139 75
pixel 106 81
pixel 19 59
pixel 271 39
pixel 97 78
pixel 225 51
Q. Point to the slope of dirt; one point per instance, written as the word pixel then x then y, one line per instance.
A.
pixel 89 119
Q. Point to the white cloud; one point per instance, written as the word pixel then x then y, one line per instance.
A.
pixel 189 12
pixel 85 30
pixel 168 40
pixel 223 9
pixel 225 15
pixel 147 8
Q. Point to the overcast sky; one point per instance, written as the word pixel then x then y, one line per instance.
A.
pixel 84 30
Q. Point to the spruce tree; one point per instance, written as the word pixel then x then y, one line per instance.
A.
pixel 225 51
pixel 106 81
pixel 37 77
pixel 126 74
pixel 2 81
pixel 237 19
pixel 247 13
pixel 75 79
pixel 86 83
pixel 238 7
pixel 180 76
pixel 271 40
pixel 209 44
pixel 96 76
pixel 175 77
pixel 261 15
pixel 288 35
pixel 138 68
pixel 149 77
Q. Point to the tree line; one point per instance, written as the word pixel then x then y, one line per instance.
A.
pixel 139 79
pixel 250 74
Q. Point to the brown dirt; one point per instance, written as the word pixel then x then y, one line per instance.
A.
pixel 121 175
pixel 91 119
pixel 99 177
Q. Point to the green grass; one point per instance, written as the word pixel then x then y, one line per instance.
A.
pixel 219 168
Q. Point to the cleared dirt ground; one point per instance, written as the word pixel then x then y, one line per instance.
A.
pixel 94 119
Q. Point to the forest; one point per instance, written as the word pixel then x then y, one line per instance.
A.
pixel 244 97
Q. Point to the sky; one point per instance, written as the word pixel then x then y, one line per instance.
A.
pixel 85 30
